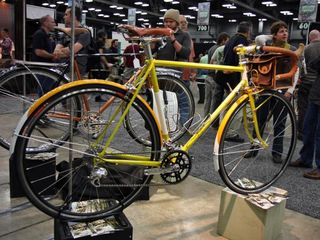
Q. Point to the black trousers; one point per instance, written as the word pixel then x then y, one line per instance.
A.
pixel 279 114
pixel 302 103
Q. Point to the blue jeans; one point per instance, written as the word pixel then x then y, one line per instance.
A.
pixel 311 136
pixel 46 84
pixel 183 105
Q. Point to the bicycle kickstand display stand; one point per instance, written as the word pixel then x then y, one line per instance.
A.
pixel 116 227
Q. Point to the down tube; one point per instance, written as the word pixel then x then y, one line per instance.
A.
pixel 213 116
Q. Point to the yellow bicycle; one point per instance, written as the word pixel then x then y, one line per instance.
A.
pixel 85 165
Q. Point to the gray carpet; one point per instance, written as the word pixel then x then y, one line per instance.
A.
pixel 304 194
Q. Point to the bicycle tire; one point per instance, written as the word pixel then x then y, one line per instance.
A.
pixel 179 109
pixel 76 184
pixel 17 95
pixel 245 166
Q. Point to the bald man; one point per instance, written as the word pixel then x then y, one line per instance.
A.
pixel 311 52
pixel 310 88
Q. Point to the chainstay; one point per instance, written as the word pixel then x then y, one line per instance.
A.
pixel 152 184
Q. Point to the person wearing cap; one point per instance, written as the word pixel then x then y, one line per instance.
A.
pixel 176 48
pixel 178 45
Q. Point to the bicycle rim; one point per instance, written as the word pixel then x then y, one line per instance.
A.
pixel 19 89
pixel 246 166
pixel 73 183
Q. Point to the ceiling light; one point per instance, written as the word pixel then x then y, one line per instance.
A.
pixel 140 19
pixel 217 16
pixel 84 11
pixel 167 0
pixel 163 10
pixel 106 16
pixel 119 8
pixel 229 6
pixel 145 5
pixel 60 2
pixel 175 2
pixel 45 4
pixel 122 15
pixel 262 19
pixel 91 9
pixel 249 14
pixel 116 14
pixel 113 6
pixel 286 13
pixel 100 15
pixel 144 13
pixel 296 19
pixel 138 3
pixel 52 5
pixel 97 10
pixel 193 8
pixel 159 23
pixel 89 0
pixel 124 20
pixel 269 3
pixel 232 20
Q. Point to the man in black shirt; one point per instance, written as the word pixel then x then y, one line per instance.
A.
pixel 231 58
pixel 42 44
pixel 229 80
pixel 178 44
pixel 42 50
pixel 81 42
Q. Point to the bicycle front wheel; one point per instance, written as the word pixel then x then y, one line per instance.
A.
pixel 73 179
pixel 19 88
pixel 245 164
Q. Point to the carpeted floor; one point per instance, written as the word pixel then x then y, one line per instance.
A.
pixel 304 194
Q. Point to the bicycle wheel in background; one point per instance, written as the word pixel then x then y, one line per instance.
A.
pixel 244 165
pixel 179 109
pixel 91 188
pixel 19 88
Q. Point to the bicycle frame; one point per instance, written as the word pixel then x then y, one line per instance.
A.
pixel 150 70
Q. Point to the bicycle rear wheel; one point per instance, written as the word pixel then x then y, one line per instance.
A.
pixel 77 184
pixel 244 164
pixel 179 109
pixel 19 89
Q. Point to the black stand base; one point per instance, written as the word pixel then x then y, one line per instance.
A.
pixel 122 232
pixel 42 172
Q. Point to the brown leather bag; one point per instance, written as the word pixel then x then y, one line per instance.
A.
pixel 262 70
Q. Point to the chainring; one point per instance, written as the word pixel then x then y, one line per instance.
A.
pixel 180 164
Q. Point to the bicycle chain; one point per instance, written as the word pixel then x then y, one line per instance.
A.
pixel 137 185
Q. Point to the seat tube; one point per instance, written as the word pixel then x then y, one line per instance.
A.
pixel 159 107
